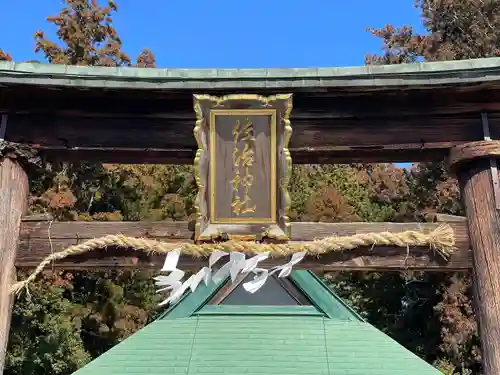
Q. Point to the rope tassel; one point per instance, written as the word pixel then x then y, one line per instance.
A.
pixel 441 240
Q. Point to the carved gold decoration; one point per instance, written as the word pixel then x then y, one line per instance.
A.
pixel 199 166
pixel 243 158
pixel 213 161
pixel 277 225
pixel 285 180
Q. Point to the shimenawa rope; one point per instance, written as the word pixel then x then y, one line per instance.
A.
pixel 440 240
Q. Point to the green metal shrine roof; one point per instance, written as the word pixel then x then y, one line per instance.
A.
pixel 379 76
pixel 326 338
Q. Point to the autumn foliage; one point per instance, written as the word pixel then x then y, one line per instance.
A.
pixel 70 318
pixel 4 56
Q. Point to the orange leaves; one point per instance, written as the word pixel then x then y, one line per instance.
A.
pixel 146 59
pixel 459 327
pixel 385 182
pixel 88 36
pixel 63 199
pixel 101 216
pixel 4 56
pixel 399 45
pixel 329 205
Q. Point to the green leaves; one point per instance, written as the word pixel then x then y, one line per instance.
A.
pixel 45 334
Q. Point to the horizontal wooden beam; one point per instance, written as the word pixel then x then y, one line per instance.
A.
pixel 332 155
pixel 329 125
pixel 315 139
pixel 41 238
pixel 345 102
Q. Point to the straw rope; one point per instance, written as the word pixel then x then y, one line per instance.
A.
pixel 440 240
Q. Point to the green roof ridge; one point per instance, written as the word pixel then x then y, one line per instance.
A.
pixel 318 293
pixel 416 74
pixel 191 302
pixel 322 296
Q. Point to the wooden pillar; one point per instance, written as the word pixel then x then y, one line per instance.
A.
pixel 13 200
pixel 476 175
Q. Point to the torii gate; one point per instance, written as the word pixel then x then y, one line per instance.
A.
pixel 399 113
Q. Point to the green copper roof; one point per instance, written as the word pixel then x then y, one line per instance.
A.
pixel 418 74
pixel 327 338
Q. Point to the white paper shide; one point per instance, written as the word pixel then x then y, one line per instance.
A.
pixel 174 285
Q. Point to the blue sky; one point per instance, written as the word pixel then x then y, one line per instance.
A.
pixel 228 34
pixel 223 33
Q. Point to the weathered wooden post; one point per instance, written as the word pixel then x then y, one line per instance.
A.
pixel 475 166
pixel 13 201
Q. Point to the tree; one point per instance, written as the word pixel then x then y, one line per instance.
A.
pixel 69 318
pixel 89 38
pixel 428 313
pixel 4 56
pixel 455 30
pixel 87 34
pixel 146 59
pixel 45 332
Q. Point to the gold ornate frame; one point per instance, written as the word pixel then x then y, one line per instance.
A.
pixel 278 226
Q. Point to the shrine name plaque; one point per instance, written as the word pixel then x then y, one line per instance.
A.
pixel 242 166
